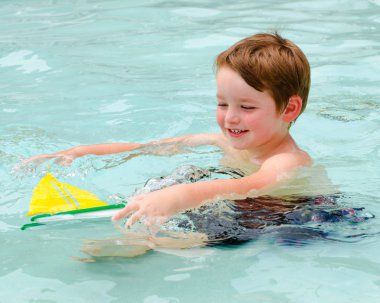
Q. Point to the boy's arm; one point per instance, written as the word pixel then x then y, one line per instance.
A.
pixel 160 205
pixel 112 148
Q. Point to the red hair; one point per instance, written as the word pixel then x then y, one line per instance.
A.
pixel 268 62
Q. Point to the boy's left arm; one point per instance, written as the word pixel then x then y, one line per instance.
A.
pixel 161 204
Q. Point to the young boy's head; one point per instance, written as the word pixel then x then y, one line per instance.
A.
pixel 268 62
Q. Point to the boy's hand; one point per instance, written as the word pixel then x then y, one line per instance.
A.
pixel 61 159
pixel 154 208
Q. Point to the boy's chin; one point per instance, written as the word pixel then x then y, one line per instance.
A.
pixel 237 143
pixel 238 146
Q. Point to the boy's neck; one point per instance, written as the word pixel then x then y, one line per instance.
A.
pixel 281 144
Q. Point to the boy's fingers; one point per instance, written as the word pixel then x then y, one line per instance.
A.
pixel 125 211
pixel 32 162
pixel 133 219
pixel 39 158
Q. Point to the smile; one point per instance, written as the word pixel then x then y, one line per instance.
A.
pixel 236 132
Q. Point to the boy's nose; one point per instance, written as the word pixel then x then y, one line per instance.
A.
pixel 232 117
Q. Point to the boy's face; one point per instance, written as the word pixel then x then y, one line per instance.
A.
pixel 246 116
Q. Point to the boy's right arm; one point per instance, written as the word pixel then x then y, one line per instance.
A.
pixel 155 147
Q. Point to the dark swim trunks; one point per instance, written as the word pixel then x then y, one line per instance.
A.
pixel 291 219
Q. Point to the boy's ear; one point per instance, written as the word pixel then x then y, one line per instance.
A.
pixel 293 109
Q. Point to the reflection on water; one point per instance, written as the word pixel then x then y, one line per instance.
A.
pixel 347 108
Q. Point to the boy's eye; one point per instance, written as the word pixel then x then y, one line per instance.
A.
pixel 222 104
pixel 247 107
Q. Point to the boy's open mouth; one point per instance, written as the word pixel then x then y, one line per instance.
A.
pixel 236 132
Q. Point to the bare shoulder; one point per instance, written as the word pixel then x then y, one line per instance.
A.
pixel 287 161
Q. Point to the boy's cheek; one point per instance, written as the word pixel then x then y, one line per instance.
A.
pixel 220 119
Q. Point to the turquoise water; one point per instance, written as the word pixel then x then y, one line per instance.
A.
pixel 81 72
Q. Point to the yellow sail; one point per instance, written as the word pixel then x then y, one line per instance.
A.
pixel 51 196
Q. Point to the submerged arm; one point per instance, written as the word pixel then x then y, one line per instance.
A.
pixel 166 202
pixel 164 146
pixel 113 148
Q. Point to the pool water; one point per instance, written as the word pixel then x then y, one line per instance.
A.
pixel 82 72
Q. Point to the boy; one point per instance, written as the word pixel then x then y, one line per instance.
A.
pixel 262 87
